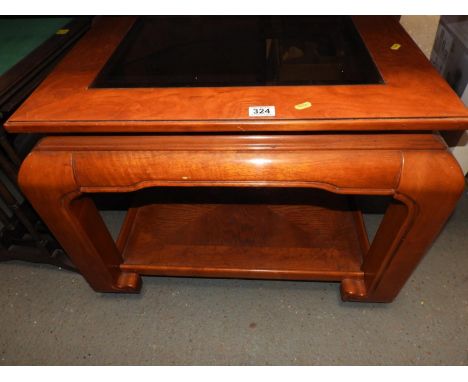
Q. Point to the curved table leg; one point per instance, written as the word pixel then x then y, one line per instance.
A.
pixel 47 179
pixel 429 188
pixel 425 193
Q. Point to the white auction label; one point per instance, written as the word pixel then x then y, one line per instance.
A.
pixel 262 111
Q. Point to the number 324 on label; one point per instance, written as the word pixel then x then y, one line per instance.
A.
pixel 262 111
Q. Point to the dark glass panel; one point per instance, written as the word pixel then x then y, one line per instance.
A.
pixel 202 51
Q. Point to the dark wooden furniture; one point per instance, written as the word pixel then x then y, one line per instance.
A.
pixel 29 49
pixel 221 194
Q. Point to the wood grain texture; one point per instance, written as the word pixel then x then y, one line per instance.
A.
pixel 48 182
pixel 236 237
pixel 308 149
pixel 235 142
pixel 19 81
pixel 297 234
pixel 294 161
pixel 414 96
pixel 428 190
pixel 231 235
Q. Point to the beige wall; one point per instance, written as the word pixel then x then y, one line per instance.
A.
pixel 422 29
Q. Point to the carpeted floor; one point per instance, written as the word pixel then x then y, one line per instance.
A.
pixel 51 316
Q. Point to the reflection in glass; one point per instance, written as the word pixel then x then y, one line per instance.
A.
pixel 202 51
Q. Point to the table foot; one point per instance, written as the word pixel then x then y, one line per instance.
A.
pixel 353 290
pixel 426 184
pixel 429 187
pixel 129 282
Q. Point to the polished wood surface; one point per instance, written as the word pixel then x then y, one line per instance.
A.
pixel 423 179
pixel 413 97
pixel 292 161
pixel 301 234
pixel 283 206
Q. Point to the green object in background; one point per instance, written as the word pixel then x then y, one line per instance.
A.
pixel 20 36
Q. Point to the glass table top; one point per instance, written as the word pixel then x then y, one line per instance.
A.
pixel 214 51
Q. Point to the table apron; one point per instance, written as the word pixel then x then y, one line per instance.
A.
pixel 328 169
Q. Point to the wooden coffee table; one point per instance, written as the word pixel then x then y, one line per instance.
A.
pixel 226 187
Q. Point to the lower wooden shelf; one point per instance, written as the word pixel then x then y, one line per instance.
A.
pixel 297 234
